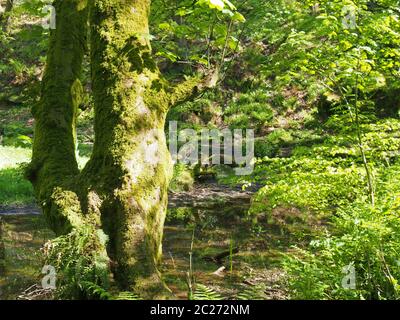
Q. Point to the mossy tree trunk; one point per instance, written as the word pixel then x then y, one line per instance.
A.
pixel 4 17
pixel 130 167
pixel 123 188
pixel 54 169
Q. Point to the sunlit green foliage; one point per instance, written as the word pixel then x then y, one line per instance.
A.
pixel 364 237
pixel 82 272
pixel 318 81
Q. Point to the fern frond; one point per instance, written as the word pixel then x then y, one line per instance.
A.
pixel 203 292
pixel 256 292
pixel 94 290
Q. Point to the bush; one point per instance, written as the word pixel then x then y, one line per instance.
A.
pixel 80 261
pixel 363 237
pixel 308 184
pixel 250 110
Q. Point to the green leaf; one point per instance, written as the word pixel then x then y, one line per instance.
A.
pixel 237 16
pixel 213 4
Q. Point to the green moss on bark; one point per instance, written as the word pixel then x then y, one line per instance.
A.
pixel 130 153
pixel 53 158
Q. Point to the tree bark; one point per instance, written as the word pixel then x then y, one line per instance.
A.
pixel 130 167
pixel 4 18
pixel 54 168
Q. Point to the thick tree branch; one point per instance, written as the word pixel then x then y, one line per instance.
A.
pixel 191 87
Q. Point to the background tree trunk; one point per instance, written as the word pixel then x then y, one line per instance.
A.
pixel 4 17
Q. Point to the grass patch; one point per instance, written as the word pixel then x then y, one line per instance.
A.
pixel 12 157
pixel 14 188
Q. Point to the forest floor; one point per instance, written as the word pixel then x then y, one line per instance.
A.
pixel 213 215
pixel 229 255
